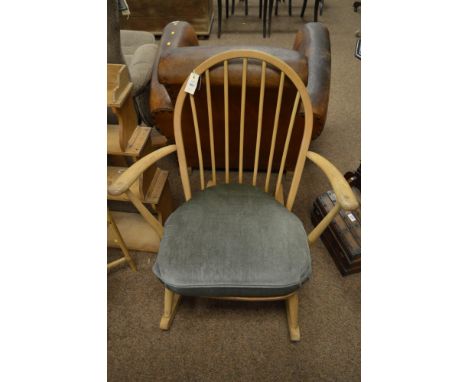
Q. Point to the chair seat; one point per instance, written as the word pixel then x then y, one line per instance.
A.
pixel 233 240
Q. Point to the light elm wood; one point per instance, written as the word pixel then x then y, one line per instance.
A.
pixel 210 126
pixel 171 301
pixel 242 120
pixel 318 230
pixel 344 195
pixel 120 100
pixel 197 138
pixel 292 310
pixel 286 143
pixel 119 86
pixel 149 217
pixel 275 130
pixel 226 119
pixel 259 125
pixel 123 183
pixel 117 238
pixel 136 232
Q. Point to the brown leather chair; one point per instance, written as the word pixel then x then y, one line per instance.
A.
pixel 180 54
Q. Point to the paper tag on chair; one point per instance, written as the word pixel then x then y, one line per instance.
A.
pixel 192 83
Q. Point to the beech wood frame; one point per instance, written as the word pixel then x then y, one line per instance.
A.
pixel 344 194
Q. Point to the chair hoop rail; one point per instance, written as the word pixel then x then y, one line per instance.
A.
pixel 203 70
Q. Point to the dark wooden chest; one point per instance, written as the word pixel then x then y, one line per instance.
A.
pixel 342 238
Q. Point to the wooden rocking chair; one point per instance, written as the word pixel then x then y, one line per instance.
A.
pixel 234 240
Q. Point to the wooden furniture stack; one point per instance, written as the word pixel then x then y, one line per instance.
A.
pixel 127 142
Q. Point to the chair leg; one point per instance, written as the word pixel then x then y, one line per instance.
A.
pixel 290 8
pixel 220 15
pixel 171 300
pixel 304 6
pixel 270 13
pixel 292 310
pixel 276 7
pixel 316 7
pixel 246 7
pixel 260 9
pixel 227 9
pixel 265 6
pixel 233 7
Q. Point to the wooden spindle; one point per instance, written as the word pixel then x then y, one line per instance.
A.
pixel 210 125
pixel 286 143
pixel 259 125
pixel 197 137
pixel 226 120
pixel 275 130
pixel 242 120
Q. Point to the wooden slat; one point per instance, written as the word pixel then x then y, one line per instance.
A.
pixel 135 144
pixel 210 126
pixel 242 120
pixel 259 125
pixel 275 130
pixel 119 86
pixel 156 187
pixel 117 238
pixel 286 143
pixel 197 138
pixel 226 120
pixel 136 233
pixel 152 221
pixel 113 172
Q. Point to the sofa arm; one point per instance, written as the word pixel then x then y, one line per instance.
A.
pixel 313 41
pixel 175 34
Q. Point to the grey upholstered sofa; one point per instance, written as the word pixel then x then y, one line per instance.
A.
pixel 136 49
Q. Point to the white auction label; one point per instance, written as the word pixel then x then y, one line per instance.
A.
pixel 192 83
pixel 351 217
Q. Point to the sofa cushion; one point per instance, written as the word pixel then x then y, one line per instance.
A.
pixel 131 40
pixel 233 240
pixel 139 50
pixel 140 65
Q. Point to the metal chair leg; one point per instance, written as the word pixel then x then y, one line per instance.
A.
pixel 246 5
pixel 260 8
pixel 227 9
pixel 290 8
pixel 220 15
pixel 265 5
pixel 316 7
pixel 304 6
pixel 270 13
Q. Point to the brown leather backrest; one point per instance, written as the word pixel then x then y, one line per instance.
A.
pixel 179 53
pixel 187 58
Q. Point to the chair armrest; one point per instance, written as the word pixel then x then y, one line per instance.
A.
pixel 344 195
pixel 313 41
pixel 175 35
pixel 124 181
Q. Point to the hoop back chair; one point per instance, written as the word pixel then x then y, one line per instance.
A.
pixel 234 240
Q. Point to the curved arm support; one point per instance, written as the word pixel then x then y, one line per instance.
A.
pixel 124 181
pixel 345 197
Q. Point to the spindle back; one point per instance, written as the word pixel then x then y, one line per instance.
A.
pixel 286 76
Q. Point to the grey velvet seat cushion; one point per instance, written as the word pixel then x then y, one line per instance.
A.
pixel 233 240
